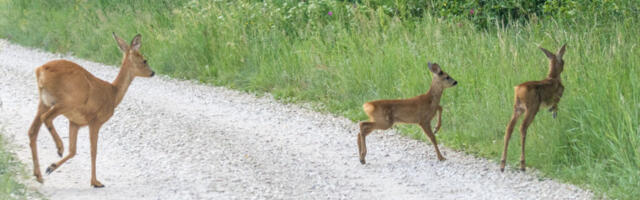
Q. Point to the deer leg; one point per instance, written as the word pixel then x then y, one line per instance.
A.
pixel 507 135
pixel 33 138
pixel 554 110
pixel 93 137
pixel 73 138
pixel 365 129
pixel 47 118
pixel 439 110
pixel 528 118
pixel 427 130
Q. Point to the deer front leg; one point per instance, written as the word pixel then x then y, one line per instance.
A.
pixel 556 100
pixel 439 110
pixel 93 137
pixel 427 130
pixel 554 110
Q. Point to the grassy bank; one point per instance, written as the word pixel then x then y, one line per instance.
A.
pixel 300 53
pixel 9 167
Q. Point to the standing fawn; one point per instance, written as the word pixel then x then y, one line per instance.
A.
pixel 417 110
pixel 530 96
pixel 68 89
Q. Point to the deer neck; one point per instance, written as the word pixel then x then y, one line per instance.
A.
pixel 554 76
pixel 435 92
pixel 123 80
pixel 554 72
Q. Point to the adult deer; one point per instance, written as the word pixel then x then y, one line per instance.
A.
pixel 530 96
pixel 68 89
pixel 417 110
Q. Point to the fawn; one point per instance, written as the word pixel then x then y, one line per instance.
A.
pixel 417 110
pixel 68 89
pixel 530 96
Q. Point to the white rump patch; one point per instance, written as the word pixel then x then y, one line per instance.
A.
pixel 47 98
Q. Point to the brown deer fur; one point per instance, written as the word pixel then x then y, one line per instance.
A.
pixel 530 96
pixel 417 110
pixel 68 89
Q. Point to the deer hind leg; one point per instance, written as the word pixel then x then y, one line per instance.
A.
pixel 93 137
pixel 48 118
pixel 33 138
pixel 529 115
pixel 365 129
pixel 73 138
pixel 517 111
pixel 426 127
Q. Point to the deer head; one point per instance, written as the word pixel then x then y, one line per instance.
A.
pixel 440 78
pixel 556 63
pixel 132 58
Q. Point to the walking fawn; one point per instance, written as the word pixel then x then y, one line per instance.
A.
pixel 417 110
pixel 529 96
pixel 68 89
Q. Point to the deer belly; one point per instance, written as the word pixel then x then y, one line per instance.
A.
pixel 76 117
pixel 405 119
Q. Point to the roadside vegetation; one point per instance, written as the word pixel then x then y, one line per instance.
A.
pixel 9 170
pixel 340 54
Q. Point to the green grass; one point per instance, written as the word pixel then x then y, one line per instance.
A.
pixel 9 170
pixel 299 53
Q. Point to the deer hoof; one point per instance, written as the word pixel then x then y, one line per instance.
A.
pixel 522 169
pixel 501 169
pixel 555 114
pixel 51 168
pixel 97 184
pixel 362 161
pixel 60 152
pixel 441 159
pixel 39 179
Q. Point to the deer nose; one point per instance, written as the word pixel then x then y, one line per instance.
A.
pixel 455 82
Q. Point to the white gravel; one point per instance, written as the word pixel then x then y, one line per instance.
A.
pixel 172 139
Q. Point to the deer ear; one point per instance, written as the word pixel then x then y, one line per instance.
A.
pixel 136 42
pixel 548 53
pixel 433 67
pixel 121 43
pixel 561 51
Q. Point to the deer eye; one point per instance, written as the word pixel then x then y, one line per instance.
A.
pixel 145 61
pixel 440 73
pixel 448 77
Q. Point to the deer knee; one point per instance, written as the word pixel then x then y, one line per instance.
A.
pixel 33 139
pixel 365 127
pixel 385 126
pixel 33 134
pixel 72 153
pixel 523 129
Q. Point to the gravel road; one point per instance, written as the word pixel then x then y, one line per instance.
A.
pixel 173 139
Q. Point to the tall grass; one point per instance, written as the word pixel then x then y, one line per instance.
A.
pixel 300 53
